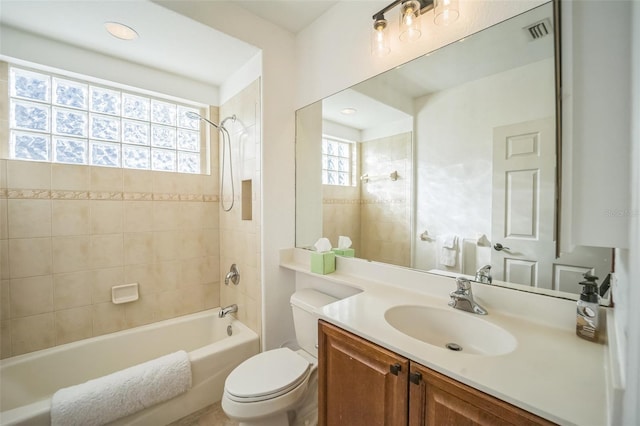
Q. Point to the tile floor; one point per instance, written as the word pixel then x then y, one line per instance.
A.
pixel 208 416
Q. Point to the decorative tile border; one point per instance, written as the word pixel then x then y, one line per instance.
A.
pixel 43 194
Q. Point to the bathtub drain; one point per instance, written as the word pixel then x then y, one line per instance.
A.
pixel 229 330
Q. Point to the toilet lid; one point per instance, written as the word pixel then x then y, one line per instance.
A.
pixel 267 375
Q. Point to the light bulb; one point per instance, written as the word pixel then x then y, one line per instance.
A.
pixel 409 23
pixel 445 11
pixel 379 37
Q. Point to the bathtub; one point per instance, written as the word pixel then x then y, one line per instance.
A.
pixel 27 382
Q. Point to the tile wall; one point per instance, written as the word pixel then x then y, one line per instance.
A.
pixel 385 204
pixel 240 241
pixel 69 233
pixel 341 213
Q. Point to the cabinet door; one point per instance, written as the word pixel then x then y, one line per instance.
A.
pixel 359 383
pixel 436 400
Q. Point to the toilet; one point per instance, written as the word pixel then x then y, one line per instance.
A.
pixel 279 387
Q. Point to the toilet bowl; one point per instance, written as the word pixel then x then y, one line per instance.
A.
pixel 279 387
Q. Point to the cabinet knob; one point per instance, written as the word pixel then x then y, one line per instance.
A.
pixel 395 369
pixel 415 378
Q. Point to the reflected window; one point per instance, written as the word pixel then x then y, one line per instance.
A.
pixel 338 162
pixel 58 119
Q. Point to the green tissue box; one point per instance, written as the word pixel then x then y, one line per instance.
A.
pixel 348 252
pixel 323 263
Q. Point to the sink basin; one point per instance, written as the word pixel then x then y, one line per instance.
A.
pixel 451 330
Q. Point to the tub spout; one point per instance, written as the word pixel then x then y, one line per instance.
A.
pixel 228 310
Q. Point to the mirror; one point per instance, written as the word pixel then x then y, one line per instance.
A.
pixel 448 163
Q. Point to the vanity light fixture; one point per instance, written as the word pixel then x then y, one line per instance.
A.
pixel 445 12
pixel 121 31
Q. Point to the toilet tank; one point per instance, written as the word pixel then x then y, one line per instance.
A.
pixel 305 304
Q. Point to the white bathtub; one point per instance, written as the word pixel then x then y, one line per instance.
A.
pixel 27 382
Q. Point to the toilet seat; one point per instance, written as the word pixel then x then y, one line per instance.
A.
pixel 267 375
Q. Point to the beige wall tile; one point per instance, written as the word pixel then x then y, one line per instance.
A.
pixel 144 275
pixel 106 217
pixel 107 318
pixel 211 215
pixel 4 224
pixel 142 311
pixel 29 257
pixel 103 280
pixel 3 173
pixel 106 179
pixel 5 339
pixel 167 275
pixel 4 259
pixel 166 215
pixel 70 217
pixel 211 295
pixel 164 183
pixel 191 244
pixel 5 300
pixel 191 215
pixel 166 245
pixel 72 289
pixel 137 180
pixel 138 248
pixel 106 251
pixel 191 272
pixel 31 296
pixel 28 175
pixel 68 177
pixel 138 216
pixel 32 333
pixel 71 254
pixel 29 218
pixel 73 324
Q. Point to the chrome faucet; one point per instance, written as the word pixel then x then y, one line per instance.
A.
pixel 484 275
pixel 462 298
pixel 228 310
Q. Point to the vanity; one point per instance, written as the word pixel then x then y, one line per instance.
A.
pixel 383 352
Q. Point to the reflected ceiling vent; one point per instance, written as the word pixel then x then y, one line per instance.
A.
pixel 539 29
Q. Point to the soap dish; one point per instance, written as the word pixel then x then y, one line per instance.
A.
pixel 124 293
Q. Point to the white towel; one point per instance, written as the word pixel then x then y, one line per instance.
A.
pixel 449 250
pixel 122 393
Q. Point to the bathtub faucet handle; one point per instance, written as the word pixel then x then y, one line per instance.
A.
pixel 228 310
pixel 233 275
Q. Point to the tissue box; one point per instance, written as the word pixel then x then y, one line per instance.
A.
pixel 323 263
pixel 348 252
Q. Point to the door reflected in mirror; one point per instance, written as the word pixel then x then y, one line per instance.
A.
pixel 448 163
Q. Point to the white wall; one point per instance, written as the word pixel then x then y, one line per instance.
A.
pixel 454 149
pixel 17 44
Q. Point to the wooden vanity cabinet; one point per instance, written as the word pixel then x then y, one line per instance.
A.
pixel 363 384
pixel 359 383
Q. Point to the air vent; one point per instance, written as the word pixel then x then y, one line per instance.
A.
pixel 539 29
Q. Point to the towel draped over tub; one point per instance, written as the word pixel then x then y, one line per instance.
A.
pixel 122 393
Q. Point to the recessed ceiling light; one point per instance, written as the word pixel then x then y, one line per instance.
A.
pixel 349 111
pixel 121 31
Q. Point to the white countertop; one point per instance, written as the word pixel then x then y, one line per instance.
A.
pixel 551 373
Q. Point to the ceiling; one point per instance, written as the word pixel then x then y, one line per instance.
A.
pixel 169 41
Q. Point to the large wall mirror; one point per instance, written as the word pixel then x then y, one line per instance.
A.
pixel 448 163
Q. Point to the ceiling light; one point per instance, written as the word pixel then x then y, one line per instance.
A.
pixel 121 31
pixel 349 111
pixel 445 12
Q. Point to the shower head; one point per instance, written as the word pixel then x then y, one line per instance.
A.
pixel 194 116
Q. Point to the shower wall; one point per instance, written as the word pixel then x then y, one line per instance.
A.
pixel 240 241
pixel 69 233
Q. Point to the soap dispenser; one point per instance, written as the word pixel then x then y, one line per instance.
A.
pixel 587 315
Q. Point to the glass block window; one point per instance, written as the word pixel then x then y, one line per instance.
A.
pixel 57 119
pixel 338 162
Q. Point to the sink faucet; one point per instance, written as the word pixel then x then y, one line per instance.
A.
pixel 228 310
pixel 462 298
pixel 484 275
